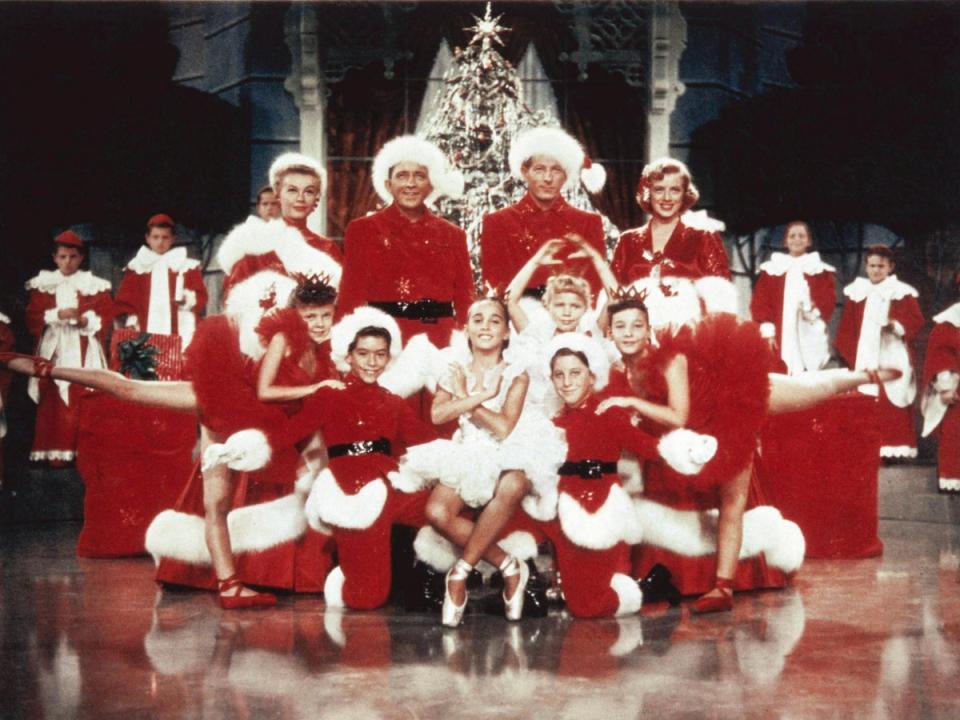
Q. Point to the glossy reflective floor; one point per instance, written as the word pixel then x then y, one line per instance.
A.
pixel 873 638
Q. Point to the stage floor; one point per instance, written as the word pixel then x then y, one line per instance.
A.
pixel 876 638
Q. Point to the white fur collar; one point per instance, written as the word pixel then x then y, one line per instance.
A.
pixel 950 315
pixel 174 259
pixel 810 263
pixel 83 281
pixel 861 288
pixel 4 319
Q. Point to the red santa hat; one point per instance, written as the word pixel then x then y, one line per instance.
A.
pixel 596 356
pixel 345 331
pixel 68 238
pixel 447 181
pixel 556 143
pixel 297 161
pixel 160 219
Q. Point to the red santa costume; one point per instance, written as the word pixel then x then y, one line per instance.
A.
pixel 793 301
pixel 164 293
pixel 511 236
pixel 366 429
pixel 7 344
pixel 727 371
pixel 878 327
pixel 941 375
pixel 66 344
pixel 417 271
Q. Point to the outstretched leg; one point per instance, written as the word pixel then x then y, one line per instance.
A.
pixel 791 393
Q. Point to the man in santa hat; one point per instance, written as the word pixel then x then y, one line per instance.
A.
pixel 549 161
pixel 878 328
pixel 67 313
pixel 162 290
pixel 404 259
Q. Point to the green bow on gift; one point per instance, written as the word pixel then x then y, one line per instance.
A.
pixel 138 359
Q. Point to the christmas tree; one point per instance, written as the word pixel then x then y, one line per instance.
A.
pixel 474 119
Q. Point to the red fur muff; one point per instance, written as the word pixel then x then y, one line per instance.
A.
pixel 291 324
pixel 727 363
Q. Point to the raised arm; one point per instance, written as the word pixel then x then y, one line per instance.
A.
pixel 267 391
pixel 545 255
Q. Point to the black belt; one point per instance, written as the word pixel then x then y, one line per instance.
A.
pixel 361 447
pixel 588 469
pixel 535 292
pixel 426 311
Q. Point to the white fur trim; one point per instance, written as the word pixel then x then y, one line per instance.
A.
pixel 687 451
pixel 260 238
pixel 701 220
pixel 950 484
pixel 174 259
pixel 333 588
pixel 292 159
pixel 520 544
pixel 680 307
pixel 51 316
pixel 693 533
pixel 768 330
pixel 435 550
pixel 189 299
pixel 630 470
pixel 83 281
pixel 421 465
pixel 446 181
pixel 93 326
pixel 628 592
pixel 4 319
pixel 861 288
pixel 328 503
pixel 244 306
pixel 245 450
pixel 898 451
pixel 718 294
pixel 950 315
pixel 810 264
pixel 592 348
pixel 551 142
pixel 615 521
pixel 594 177
pixel 344 332
pixel 416 367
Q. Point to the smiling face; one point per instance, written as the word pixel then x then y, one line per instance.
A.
pixel 796 239
pixel 409 185
pixel 67 259
pixel 667 196
pixel 299 195
pixel 487 328
pixel 159 239
pixel 566 309
pixel 368 358
pixel 571 378
pixel 878 268
pixel 544 177
pixel 319 320
pixel 630 331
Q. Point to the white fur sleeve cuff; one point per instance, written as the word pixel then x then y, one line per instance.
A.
pixel 247 450
pixel 686 451
pixel 897 328
pixel 768 330
pixel 93 324
pixel 189 299
pixel 50 317
pixel 946 381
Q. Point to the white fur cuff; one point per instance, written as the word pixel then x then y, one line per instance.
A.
pixel 946 381
pixel 50 317
pixel 768 330
pixel 93 324
pixel 247 450
pixel 189 299
pixel 686 451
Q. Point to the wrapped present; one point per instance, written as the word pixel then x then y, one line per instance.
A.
pixel 146 356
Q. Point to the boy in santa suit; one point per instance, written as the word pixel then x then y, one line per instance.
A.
pixel 162 290
pixel 404 259
pixel 67 313
pixel 793 301
pixel 549 161
pixel 941 377
pixel 878 328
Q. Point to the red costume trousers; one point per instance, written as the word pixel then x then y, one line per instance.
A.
pixel 55 436
pixel 365 554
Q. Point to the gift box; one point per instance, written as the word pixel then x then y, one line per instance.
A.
pixel 146 356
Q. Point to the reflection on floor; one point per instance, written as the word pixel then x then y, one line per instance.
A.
pixel 875 638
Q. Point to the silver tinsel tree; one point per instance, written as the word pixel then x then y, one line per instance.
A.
pixel 474 119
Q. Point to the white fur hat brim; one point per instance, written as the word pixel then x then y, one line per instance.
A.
pixel 344 332
pixel 446 181
pixel 558 144
pixel 291 160
pixel 592 349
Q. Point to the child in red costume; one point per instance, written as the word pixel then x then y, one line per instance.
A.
pixel 793 301
pixel 878 328
pixel 548 161
pixel 162 290
pixel 366 429
pixel 941 377
pixel 7 344
pixel 67 313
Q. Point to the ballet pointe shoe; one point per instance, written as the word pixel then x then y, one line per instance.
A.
pixel 452 614
pixel 231 599
pixel 722 602
pixel 41 366
pixel 513 606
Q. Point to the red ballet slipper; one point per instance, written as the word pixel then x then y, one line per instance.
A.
pixel 723 602
pixel 41 366
pixel 236 601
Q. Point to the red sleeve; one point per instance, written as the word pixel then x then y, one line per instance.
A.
pixel 823 293
pixel 943 351
pixel 7 341
pixel 629 436
pixel 493 258
pixel 193 280
pixel 906 311
pixel 411 430
pixel 621 258
pixel 762 305
pixel 102 305
pixel 129 297
pixel 38 304
pixel 312 416
pixel 848 331
pixel 463 292
pixel 353 285
pixel 712 259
